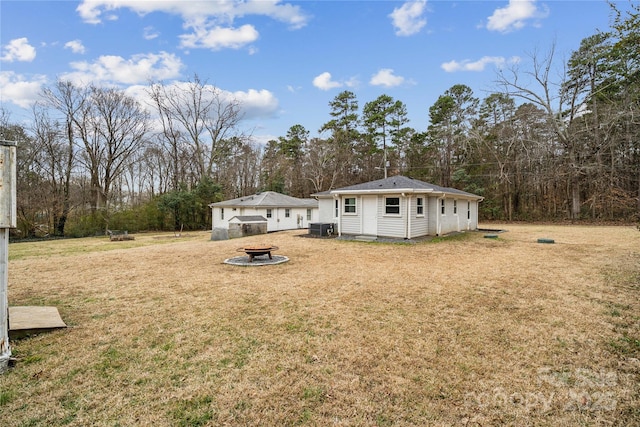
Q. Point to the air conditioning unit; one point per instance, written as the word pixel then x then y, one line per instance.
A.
pixel 321 229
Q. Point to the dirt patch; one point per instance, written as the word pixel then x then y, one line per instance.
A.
pixel 452 331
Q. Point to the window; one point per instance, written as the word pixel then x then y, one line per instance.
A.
pixel 350 205
pixel 269 214
pixel 221 213
pixel 419 206
pixel 442 210
pixel 455 207
pixel 308 214
pixel 287 212
pixel 468 210
pixel 337 209
pixel 392 205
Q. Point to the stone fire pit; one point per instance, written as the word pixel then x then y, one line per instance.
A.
pixel 257 255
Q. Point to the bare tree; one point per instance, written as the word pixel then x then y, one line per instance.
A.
pixel 322 168
pixel 67 99
pixel 241 175
pixel 111 127
pixel 55 158
pixel 201 116
pixel 561 106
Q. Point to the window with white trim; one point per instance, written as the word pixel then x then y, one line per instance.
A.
pixel 350 205
pixel 287 212
pixel 221 213
pixel 468 210
pixel 269 213
pixel 419 206
pixel 442 207
pixel 455 207
pixel 392 205
pixel 337 209
pixel 308 214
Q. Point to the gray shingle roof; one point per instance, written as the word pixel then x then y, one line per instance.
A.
pixel 249 218
pixel 268 199
pixel 399 183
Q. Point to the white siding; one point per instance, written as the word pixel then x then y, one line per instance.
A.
pixel 277 222
pixel 392 225
pixel 327 210
pixel 448 221
pixel 419 224
pixel 472 221
pixel 433 213
pixel 350 225
pixel 408 224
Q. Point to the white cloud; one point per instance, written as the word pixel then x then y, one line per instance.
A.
pixel 76 46
pixel 91 10
pixel 210 22
pixel 18 50
pixel 479 65
pixel 219 38
pixel 352 82
pixel 256 103
pixel 18 90
pixel 514 15
pixel 150 33
pixel 116 69
pixel 324 82
pixel 386 78
pixel 408 19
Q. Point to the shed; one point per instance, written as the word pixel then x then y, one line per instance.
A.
pixel 247 225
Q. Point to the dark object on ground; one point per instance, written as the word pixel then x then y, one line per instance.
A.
pixel 119 236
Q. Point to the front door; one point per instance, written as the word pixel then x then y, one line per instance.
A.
pixel 370 215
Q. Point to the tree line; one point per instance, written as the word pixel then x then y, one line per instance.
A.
pixel 543 146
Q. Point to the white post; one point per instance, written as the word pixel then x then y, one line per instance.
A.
pixel 5 348
pixel 7 221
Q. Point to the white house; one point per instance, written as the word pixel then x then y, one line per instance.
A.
pixel 281 211
pixel 398 207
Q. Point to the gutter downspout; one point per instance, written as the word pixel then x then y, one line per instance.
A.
pixel 338 199
pixel 438 215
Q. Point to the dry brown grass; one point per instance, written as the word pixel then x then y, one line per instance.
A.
pixel 459 331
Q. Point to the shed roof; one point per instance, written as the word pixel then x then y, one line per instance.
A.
pixel 268 199
pixel 397 183
pixel 248 218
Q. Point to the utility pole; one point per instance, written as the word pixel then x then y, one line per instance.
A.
pixel 386 163
pixel 7 221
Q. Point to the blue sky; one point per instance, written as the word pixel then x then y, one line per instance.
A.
pixel 285 61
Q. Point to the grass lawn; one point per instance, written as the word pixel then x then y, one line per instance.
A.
pixel 456 331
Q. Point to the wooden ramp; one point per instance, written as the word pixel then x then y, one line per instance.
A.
pixel 28 320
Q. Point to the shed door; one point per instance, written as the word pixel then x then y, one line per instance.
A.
pixel 370 215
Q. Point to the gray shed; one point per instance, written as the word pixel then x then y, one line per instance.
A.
pixel 247 225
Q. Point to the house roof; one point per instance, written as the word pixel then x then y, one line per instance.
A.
pixel 267 199
pixel 398 184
